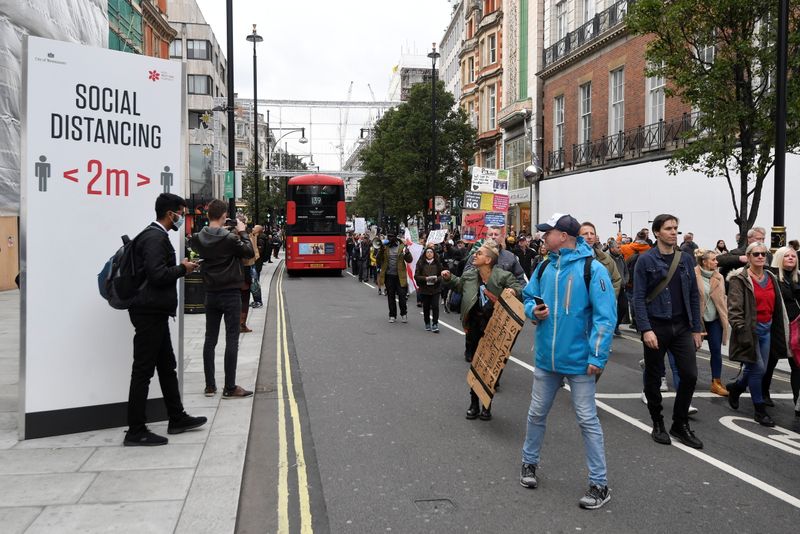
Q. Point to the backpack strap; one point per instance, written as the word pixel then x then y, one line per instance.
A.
pixel 587 272
pixel 676 259
pixel 542 267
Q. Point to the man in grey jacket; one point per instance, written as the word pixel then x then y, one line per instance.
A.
pixel 507 260
pixel 222 250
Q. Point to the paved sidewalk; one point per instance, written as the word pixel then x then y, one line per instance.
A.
pixel 89 482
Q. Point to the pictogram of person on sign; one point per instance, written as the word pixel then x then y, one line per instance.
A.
pixel 42 172
pixel 166 179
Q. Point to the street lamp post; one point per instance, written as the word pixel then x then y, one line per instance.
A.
pixel 255 38
pixel 229 83
pixel 778 228
pixel 431 188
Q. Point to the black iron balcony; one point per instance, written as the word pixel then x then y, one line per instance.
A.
pixel 629 144
pixel 589 31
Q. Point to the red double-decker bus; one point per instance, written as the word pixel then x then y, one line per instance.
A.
pixel 315 223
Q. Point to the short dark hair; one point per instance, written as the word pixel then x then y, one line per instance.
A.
pixel 168 202
pixel 659 221
pixel 216 209
pixel 587 223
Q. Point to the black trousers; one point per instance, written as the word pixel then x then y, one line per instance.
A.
pixel 430 303
pixel 393 288
pixel 677 338
pixel 221 304
pixel 477 322
pixel 152 351
pixel 766 382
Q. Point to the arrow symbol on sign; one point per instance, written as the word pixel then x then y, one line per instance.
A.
pixel 143 180
pixel 70 175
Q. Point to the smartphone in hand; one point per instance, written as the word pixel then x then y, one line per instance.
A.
pixel 538 300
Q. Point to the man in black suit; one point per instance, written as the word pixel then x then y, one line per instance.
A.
pixel 156 302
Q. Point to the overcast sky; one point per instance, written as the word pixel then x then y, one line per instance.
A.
pixel 313 49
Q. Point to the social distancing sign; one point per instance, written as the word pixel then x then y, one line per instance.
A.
pixel 102 138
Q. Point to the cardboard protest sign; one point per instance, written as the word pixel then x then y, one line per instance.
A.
pixel 500 203
pixel 487 201
pixel 472 226
pixel 472 200
pixel 495 347
pixel 494 218
pixel 436 236
pixel 483 179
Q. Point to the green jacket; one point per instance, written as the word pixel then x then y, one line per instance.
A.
pixel 403 257
pixel 469 283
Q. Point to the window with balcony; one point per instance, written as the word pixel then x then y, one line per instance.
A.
pixel 616 94
pixel 196 49
pixel 561 20
pixel 176 48
pixel 199 84
pixel 585 113
pixel 558 132
pixel 491 101
pixel 492 49
pixel 655 99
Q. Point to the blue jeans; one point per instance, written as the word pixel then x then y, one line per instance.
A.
pixel 714 337
pixel 754 372
pixel 545 387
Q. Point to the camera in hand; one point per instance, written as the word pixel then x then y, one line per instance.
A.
pixel 230 223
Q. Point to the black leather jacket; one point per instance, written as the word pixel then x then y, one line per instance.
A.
pixel 154 253
pixel 222 252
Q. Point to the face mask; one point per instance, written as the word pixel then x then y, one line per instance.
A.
pixel 177 224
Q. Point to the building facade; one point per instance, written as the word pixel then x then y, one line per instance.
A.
pixel 125 26
pixel 450 48
pixel 157 34
pixel 481 60
pixel 206 68
pixel 410 70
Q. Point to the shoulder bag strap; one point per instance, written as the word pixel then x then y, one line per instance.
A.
pixel 665 282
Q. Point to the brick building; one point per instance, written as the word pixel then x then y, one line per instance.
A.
pixel 157 34
pixel 482 76
pixel 599 106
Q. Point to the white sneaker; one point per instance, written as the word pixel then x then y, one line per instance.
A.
pixel 403 318
pixel 644 398
pixel 664 386
pixel 392 319
pixel 692 410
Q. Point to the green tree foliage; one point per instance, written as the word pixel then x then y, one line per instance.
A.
pixel 397 161
pixel 273 202
pixel 733 90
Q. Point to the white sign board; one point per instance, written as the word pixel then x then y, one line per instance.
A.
pixel 436 236
pixel 102 138
pixel 483 179
pixel 360 225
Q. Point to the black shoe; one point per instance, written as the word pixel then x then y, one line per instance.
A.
pixel 595 497
pixel 763 419
pixel 474 406
pixel 659 433
pixel 684 434
pixel 734 392
pixel 527 476
pixel 144 438
pixel 768 401
pixel 486 414
pixel 468 357
pixel 184 423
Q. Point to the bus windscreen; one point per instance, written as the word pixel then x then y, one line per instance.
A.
pixel 316 209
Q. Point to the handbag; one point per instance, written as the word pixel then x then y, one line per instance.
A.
pixel 794 339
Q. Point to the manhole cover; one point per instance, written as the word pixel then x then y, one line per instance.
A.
pixel 435 506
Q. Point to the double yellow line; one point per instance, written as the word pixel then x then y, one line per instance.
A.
pixel 285 378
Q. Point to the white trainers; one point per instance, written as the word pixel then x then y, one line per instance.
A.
pixel 403 318
pixel 392 319
pixel 692 410
pixel 664 386
pixel 644 398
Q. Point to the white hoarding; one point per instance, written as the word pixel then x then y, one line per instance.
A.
pixel 102 138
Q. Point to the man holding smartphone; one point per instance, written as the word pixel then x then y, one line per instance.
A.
pixel 575 317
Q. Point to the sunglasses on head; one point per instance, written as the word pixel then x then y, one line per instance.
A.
pixel 757 254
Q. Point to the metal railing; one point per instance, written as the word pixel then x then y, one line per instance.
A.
pixel 587 32
pixel 628 144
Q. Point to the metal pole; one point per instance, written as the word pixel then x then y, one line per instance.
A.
pixel 269 157
pixel 255 38
pixel 229 83
pixel 432 186
pixel 778 228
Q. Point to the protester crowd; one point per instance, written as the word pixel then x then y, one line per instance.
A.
pixel 664 286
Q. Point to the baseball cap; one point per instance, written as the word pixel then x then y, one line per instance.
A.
pixel 562 223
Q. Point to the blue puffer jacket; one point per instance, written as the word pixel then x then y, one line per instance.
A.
pixel 580 326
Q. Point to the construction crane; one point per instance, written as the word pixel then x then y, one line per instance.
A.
pixel 343 126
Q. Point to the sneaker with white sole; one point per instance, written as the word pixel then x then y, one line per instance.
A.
pixel 527 476
pixel 664 386
pixel 644 398
pixel 595 497
pixel 404 318
pixel 392 319
pixel 692 410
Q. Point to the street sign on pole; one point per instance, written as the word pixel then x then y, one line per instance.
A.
pixel 96 154
pixel 230 178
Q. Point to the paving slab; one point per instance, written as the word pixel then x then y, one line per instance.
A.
pixel 211 506
pixel 132 458
pixel 17 520
pixel 18 461
pixel 43 490
pixel 144 485
pixel 121 518
pixel 222 456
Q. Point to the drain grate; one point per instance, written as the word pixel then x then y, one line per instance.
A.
pixel 435 506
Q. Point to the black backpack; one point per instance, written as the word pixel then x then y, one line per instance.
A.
pixel 120 282
pixel 587 270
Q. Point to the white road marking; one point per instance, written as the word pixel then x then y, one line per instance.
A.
pixel 527 366
pixel 348 272
pixel 369 285
pixel 671 394
pixel 785 440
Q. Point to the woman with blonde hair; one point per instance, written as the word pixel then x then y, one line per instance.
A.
pixel 785 267
pixel 713 312
pixel 759 327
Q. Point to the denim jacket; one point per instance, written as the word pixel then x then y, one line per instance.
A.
pixel 651 269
